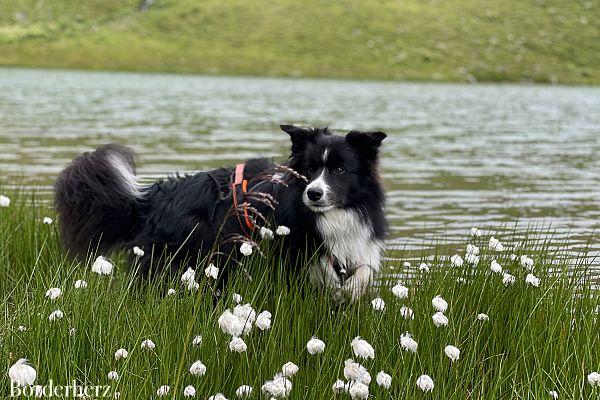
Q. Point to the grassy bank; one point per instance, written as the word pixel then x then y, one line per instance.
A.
pixel 532 40
pixel 537 339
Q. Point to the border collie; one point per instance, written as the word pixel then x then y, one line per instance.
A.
pixel 328 193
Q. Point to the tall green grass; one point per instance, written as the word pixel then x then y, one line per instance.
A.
pixel 536 339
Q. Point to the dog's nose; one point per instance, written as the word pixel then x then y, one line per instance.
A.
pixel 314 194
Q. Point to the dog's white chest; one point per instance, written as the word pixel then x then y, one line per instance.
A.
pixel 349 239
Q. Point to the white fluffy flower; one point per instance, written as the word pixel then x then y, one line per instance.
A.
pixel 55 315
pixel 113 376
pixel 189 391
pixel 452 352
pixel 138 252
pixel 495 244
pixel 495 267
pixel 425 383
pixel 22 328
pixel 439 319
pixel 472 249
pixel 22 373
pixel 508 279
pixel 163 390
pixel 475 232
pixel 218 396
pixel 362 348
pixel 513 257
pixel 237 298
pixel 197 368
pixel 246 249
pixel 407 312
pixel 424 267
pixel 594 379
pixel 244 391
pixel 353 371
pixel 171 292
pixel 211 271
pixel 532 280
pixel 4 201
pixel 148 344
pixel 197 341
pixel 237 345
pixel 72 331
pixel 384 380
pixel 472 259
pixel 188 276
pixel 406 264
pixel 456 260
pixel 439 303
pixel 553 394
pixel 245 312
pixel 340 386
pixel 80 284
pixel 47 221
pixel 378 304
pixel 400 291
pixel 102 266
pixel 53 293
pixel 282 230
pixel 121 353
pixel 263 320
pixel 265 233
pixel 289 369
pixel 231 324
pixel 358 390
pixel 460 279
pixel 408 343
pixel 279 387
pixel 483 317
pixel 527 262
pixel 192 286
pixel 315 345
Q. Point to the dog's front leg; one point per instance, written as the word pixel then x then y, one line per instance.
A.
pixel 359 282
pixel 323 275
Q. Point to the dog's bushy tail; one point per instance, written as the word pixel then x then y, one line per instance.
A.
pixel 96 198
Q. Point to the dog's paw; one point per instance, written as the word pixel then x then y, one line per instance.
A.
pixel 358 284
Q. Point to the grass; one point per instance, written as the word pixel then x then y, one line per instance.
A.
pixel 536 339
pixel 530 40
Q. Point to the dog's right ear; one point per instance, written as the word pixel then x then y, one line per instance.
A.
pixel 300 136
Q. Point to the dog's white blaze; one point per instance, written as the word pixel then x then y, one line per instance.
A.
pixel 128 180
pixel 317 183
pixel 325 154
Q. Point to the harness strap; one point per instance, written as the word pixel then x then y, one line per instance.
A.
pixel 238 180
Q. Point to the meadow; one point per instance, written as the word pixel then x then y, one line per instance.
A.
pixel 551 41
pixel 535 337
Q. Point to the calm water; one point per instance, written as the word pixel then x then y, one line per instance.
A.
pixel 457 156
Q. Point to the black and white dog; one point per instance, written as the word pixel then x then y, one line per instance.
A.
pixel 328 193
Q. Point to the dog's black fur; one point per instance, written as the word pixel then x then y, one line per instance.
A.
pixel 102 208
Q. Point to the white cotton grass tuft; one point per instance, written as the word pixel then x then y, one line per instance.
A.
pixel 246 249
pixel 22 328
pixel 148 344
pixel 508 279
pixel 378 304
pixel 340 386
pixel 47 221
pixel 237 298
pixel 425 383
pixel 400 291
pixel 408 343
pixel 138 252
pixel 55 315
pixel 456 261
pixel 197 368
pixel 282 230
pixel 452 352
pixel 475 232
pixel 553 394
pixel 121 353
pixel 532 280
pixel 171 292
pixel 494 244
pixel 102 266
pixel 244 391
pixel 495 267
pixel 53 293
pixel 439 303
pixel 423 267
pixel 482 317
pixel 289 369
pixel 188 276
pixel 265 233
pixel 358 390
pixel 4 201
pixel 355 372
pixel 384 380
pixel 472 249
pixel 218 396
pixel 407 312
pixel 80 284
pixel 594 379
pixel 72 331
pixel 189 391
pixel 315 345
pixel 245 313
pixel 192 286
pixel 439 319
pixel 211 271
pixel 163 390
pixel 263 321
pixel 279 387
pixel 406 264
pixel 361 348
pixel 527 262
pixel 22 373
pixel 231 324
pixel 197 340
pixel 238 345
pixel 472 259
pixel 113 376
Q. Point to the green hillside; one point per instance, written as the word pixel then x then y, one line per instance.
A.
pixel 486 40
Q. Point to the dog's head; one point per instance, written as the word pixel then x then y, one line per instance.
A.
pixel 341 170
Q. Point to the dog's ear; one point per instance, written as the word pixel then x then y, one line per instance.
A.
pixel 300 136
pixel 365 143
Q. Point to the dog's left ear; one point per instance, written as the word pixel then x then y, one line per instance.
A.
pixel 366 143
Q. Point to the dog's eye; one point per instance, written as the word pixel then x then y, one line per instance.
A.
pixel 339 170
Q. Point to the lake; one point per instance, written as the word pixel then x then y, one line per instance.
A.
pixel 498 157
